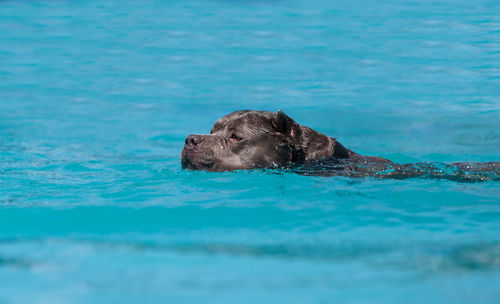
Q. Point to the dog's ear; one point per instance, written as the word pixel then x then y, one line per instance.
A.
pixel 284 124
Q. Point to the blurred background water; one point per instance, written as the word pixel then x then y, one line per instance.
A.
pixel 96 98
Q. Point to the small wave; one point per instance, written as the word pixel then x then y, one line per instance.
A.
pixel 422 255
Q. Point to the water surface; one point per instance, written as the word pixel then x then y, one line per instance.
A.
pixel 97 97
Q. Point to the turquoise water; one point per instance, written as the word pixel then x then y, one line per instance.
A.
pixel 96 98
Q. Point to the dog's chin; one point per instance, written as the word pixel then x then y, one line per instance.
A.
pixel 187 164
pixel 189 160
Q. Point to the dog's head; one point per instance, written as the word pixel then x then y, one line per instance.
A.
pixel 245 140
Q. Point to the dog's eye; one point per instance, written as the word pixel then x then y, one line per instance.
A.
pixel 235 137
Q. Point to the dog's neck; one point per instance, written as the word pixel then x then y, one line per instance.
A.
pixel 317 146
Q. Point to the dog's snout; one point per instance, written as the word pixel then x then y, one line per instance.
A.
pixel 193 140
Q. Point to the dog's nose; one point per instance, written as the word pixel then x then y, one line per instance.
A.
pixel 193 140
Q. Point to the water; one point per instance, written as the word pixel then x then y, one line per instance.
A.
pixel 96 98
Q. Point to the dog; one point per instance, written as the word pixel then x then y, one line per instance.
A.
pixel 260 139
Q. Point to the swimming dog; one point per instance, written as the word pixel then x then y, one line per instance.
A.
pixel 260 139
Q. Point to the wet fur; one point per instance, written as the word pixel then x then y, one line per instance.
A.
pixel 261 140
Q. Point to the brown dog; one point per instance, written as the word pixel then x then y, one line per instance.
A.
pixel 260 139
